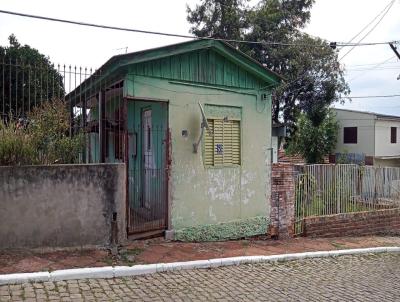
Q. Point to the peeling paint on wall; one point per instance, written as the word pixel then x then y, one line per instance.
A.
pixel 210 195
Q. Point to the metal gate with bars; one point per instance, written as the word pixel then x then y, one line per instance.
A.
pixel 148 174
pixel 322 190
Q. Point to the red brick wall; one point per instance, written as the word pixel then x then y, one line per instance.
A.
pixel 282 200
pixel 361 223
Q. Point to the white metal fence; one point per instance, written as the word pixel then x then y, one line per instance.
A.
pixel 333 189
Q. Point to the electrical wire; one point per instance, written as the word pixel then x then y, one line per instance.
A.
pixel 372 96
pixel 373 68
pixel 372 21
pixel 372 64
pixel 379 21
pixel 377 65
pixel 186 36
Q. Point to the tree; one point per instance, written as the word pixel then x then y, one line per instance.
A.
pixel 314 78
pixel 313 141
pixel 224 19
pixel 27 78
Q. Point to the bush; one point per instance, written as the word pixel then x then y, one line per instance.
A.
pixel 49 127
pixel 41 139
pixel 15 145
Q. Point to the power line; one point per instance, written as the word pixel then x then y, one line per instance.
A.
pixel 372 96
pixel 373 20
pixel 341 44
pixel 387 8
pixel 372 68
pixel 376 66
pixel 373 64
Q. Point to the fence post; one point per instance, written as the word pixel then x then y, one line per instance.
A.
pixel 282 200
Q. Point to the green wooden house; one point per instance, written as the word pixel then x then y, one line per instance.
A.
pixel 192 122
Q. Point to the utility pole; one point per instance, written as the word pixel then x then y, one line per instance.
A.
pixel 394 48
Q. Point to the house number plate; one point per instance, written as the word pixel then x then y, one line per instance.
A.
pixel 220 149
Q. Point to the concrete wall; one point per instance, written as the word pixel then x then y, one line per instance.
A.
pixel 383 146
pixel 209 196
pixel 61 205
pixel 365 124
pixel 378 162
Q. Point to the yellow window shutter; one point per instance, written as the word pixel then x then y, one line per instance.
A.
pixel 236 142
pixel 218 142
pixel 223 148
pixel 227 143
pixel 209 145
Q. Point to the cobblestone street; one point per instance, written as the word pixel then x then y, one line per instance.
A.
pixel 346 278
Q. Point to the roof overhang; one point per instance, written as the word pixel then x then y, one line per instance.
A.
pixel 118 64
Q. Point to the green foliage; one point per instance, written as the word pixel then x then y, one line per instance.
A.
pixel 313 141
pixel 15 145
pixel 224 19
pixel 41 139
pixel 29 78
pixel 314 78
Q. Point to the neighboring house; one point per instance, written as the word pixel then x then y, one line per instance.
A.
pixel 144 110
pixel 368 137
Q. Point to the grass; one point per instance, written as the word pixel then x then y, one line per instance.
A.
pixel 338 246
pixel 317 207
pixel 128 256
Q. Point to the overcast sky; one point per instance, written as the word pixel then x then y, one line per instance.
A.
pixel 334 20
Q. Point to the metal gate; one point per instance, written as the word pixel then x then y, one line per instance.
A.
pixel 148 173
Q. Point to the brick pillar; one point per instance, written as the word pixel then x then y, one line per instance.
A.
pixel 282 200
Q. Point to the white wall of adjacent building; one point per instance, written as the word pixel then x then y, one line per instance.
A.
pixel 383 145
pixel 365 123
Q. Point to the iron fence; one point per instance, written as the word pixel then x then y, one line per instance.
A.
pixel 95 105
pixel 322 190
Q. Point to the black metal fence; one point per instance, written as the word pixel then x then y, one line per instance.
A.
pixel 95 107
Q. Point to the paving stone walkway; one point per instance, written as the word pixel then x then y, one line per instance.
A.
pixel 345 278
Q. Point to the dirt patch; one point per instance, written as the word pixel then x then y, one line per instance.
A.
pixel 158 250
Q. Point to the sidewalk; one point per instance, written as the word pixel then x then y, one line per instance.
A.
pixel 159 250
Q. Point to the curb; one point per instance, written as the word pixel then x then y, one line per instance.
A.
pixel 136 270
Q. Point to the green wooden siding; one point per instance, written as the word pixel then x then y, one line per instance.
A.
pixel 205 66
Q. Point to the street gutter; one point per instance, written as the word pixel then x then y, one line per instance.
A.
pixel 138 270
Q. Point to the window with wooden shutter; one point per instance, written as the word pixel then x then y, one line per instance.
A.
pixel 223 147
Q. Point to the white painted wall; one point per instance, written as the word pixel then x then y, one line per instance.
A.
pixel 274 143
pixel 365 132
pixel 383 147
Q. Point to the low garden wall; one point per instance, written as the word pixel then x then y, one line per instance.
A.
pixel 351 224
pixel 62 205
